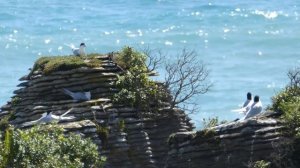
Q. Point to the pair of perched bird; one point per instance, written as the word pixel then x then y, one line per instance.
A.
pixel 49 117
pixel 251 107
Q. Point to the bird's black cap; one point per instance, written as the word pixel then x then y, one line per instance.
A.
pixel 82 44
pixel 249 96
pixel 256 98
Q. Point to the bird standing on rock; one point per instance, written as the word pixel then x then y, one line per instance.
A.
pixel 255 108
pixel 248 103
pixel 49 117
pixel 78 96
pixel 79 51
pixel 246 106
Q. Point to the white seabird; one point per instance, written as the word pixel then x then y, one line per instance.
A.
pixel 255 108
pixel 249 101
pixel 247 104
pixel 78 96
pixel 78 51
pixel 49 117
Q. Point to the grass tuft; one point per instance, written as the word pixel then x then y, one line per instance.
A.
pixel 49 65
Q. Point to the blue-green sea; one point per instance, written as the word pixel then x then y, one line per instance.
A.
pixel 247 45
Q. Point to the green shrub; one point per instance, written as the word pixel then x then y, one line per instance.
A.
pixel 15 101
pixel 291 115
pixel 46 146
pixel 212 122
pixel 63 63
pixel 121 125
pixel 136 89
pixel 262 164
pixel 128 58
pixel 125 97
pixel 289 94
pixel 287 102
pixel 206 133
pixel 103 133
pixel 4 122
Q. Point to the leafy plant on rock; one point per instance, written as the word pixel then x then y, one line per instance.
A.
pixel 287 95
pixel 103 133
pixel 121 125
pixel 259 164
pixel 212 122
pixel 287 103
pixel 291 115
pixel 47 146
pixel 15 101
pixel 136 89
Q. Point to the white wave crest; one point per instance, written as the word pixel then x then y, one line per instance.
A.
pixel 168 43
pixel 267 14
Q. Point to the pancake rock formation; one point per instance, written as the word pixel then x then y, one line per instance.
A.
pixel 130 139
pixel 124 137
pixel 237 144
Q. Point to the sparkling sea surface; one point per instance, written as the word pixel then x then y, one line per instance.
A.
pixel 247 45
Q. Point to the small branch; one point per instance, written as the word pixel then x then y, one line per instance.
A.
pixel 186 78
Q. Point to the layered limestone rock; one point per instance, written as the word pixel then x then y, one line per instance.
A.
pixel 139 142
pixel 237 144
pixel 127 137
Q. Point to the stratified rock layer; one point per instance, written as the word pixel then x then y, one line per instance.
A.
pixel 141 143
pixel 236 144
pixel 144 141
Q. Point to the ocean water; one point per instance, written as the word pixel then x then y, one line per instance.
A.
pixel 247 45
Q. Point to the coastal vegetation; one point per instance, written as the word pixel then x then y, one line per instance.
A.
pixel 136 88
pixel 47 146
pixel 287 102
pixel 103 132
pixel 63 63
pixel 259 164
pixel 185 78
pixel 212 122
pixel 4 122
pixel 121 125
pixel 15 100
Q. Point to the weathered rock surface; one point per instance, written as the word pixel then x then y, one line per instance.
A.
pixel 143 141
pixel 230 145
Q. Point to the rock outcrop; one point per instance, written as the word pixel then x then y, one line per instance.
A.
pixel 236 144
pixel 129 138
pixel 139 142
